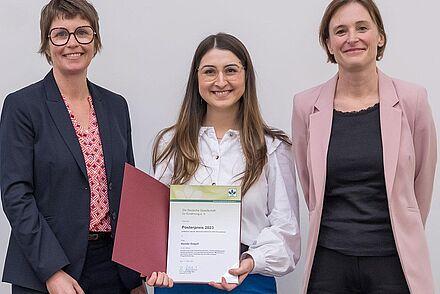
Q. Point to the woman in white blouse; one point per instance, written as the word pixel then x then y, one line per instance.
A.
pixel 220 138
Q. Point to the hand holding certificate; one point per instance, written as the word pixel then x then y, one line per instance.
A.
pixel 204 233
pixel 204 229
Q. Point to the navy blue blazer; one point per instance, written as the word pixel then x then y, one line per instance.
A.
pixel 43 179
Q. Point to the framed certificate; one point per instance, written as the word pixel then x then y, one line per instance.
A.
pixel 204 233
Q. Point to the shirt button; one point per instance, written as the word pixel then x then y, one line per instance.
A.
pixel 231 134
pixel 113 215
pixel 110 186
pixel 217 157
pixel 86 188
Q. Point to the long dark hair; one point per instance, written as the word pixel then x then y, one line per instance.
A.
pixel 183 146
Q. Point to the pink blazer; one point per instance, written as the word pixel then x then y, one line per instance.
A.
pixel 409 155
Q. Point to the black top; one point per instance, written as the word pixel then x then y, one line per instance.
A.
pixel 355 218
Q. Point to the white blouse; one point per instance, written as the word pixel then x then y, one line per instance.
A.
pixel 270 216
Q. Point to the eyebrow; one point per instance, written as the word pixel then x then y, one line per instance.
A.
pixel 210 65
pixel 364 22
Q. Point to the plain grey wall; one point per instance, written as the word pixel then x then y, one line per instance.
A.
pixel 148 46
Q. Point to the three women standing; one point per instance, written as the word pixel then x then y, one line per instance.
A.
pixel 365 149
pixel 364 143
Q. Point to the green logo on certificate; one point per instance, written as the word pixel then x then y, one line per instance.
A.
pixel 232 192
pixel 205 193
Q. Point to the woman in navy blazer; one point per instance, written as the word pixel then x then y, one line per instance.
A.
pixel 63 145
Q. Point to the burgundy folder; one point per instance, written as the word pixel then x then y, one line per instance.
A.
pixel 142 230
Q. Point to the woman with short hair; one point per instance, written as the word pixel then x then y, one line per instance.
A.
pixel 63 145
pixel 365 149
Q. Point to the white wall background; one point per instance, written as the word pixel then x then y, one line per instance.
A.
pixel 148 47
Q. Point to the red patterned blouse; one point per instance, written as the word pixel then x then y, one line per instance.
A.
pixel 91 148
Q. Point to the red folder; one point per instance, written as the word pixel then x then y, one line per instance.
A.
pixel 142 230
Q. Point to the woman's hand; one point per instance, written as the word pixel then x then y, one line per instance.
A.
pixel 160 280
pixel 246 266
pixel 62 283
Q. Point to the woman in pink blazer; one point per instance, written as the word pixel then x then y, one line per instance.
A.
pixel 365 149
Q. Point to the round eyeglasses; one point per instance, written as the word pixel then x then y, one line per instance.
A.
pixel 231 72
pixel 60 36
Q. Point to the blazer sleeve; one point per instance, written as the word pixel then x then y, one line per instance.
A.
pixel 299 144
pixel 28 226
pixel 425 145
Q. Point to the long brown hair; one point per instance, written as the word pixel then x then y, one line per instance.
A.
pixel 183 146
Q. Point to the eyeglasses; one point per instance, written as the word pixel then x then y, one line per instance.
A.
pixel 230 72
pixel 61 36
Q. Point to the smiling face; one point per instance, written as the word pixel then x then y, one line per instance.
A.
pixel 354 37
pixel 223 92
pixel 72 58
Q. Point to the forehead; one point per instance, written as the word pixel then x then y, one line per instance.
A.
pixel 69 22
pixel 350 13
pixel 219 57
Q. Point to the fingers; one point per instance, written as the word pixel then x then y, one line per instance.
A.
pixel 152 279
pixel 165 280
pixel 223 285
pixel 242 277
pixel 246 266
pixel 242 272
pixel 160 279
pixel 227 286
pixel 171 283
pixel 78 288
pixel 238 271
pixel 216 285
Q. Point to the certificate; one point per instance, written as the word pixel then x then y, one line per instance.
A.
pixel 204 233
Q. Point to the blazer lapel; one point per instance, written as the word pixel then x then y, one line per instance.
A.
pixel 320 129
pixel 390 123
pixel 102 111
pixel 60 116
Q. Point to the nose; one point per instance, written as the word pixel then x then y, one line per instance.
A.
pixel 72 42
pixel 220 81
pixel 352 37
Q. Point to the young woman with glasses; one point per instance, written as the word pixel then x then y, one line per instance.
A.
pixel 63 145
pixel 220 138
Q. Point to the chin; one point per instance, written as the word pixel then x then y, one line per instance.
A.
pixel 222 105
pixel 354 65
pixel 220 100
pixel 73 70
